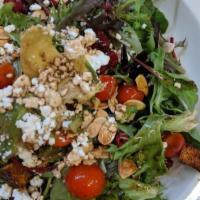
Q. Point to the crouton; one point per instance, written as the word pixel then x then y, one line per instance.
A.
pixel 190 156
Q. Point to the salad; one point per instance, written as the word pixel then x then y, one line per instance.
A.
pixel 94 101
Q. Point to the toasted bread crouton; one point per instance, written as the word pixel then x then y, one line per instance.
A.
pixel 190 156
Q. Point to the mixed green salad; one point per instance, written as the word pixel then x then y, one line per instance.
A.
pixel 94 102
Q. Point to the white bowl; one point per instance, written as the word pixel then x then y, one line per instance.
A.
pixel 182 182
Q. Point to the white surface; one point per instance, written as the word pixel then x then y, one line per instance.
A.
pixel 183 183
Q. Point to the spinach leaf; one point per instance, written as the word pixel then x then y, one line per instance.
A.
pixel 59 191
pixel 7 127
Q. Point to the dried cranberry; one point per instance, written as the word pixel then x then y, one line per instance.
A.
pixel 103 42
pixel 169 163
pixel 121 138
pixel 112 63
pixel 107 6
pixel 19 6
pixel 54 2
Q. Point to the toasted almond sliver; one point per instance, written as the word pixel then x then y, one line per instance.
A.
pixel 94 128
pixel 101 113
pixel 106 136
pixel 126 168
pixel 142 84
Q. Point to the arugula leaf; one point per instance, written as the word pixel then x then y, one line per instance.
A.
pixel 136 190
pixel 77 10
pixel 7 126
pixel 59 191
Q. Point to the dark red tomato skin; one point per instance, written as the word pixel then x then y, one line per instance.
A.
pixel 6 69
pixel 62 140
pixel 129 92
pixel 109 88
pixel 175 143
pixel 85 181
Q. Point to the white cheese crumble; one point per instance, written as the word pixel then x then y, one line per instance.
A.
pixel 97 60
pixel 90 32
pixel 35 130
pixel 72 32
pixel 111 120
pixel 46 2
pixel 9 48
pixel 20 195
pixel 29 160
pixel 5 99
pixel 5 191
pixel 66 124
pixel 35 7
pixel 36 181
pixel 9 28
pixel 144 26
pixel 177 85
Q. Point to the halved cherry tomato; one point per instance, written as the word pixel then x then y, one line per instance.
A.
pixel 109 88
pixel 85 181
pixel 7 75
pixel 175 143
pixel 128 92
pixel 62 139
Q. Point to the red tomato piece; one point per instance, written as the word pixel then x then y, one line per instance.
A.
pixel 109 88
pixel 62 139
pixel 129 92
pixel 85 181
pixel 7 75
pixel 175 143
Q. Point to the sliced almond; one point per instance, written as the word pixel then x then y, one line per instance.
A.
pixel 3 36
pixel 139 105
pixel 101 113
pixel 40 14
pixel 106 136
pixel 126 168
pixel 94 128
pixel 142 84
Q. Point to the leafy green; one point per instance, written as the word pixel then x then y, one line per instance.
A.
pixel 75 125
pixel 184 122
pixel 130 38
pixel 193 137
pixel 140 16
pixel 77 10
pixel 127 128
pixel 7 126
pixel 59 191
pixel 147 148
pixel 166 96
pixel 21 21
pixel 136 190
pixel 128 115
pixel 159 19
pixel 50 154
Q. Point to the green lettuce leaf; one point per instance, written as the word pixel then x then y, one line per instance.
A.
pixel 136 190
pixel 7 126
pixel 146 147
